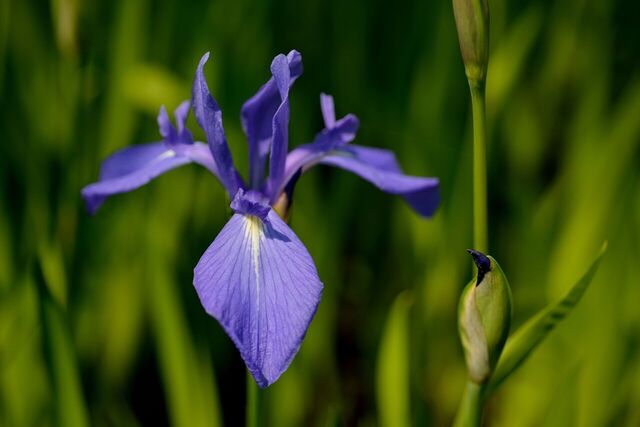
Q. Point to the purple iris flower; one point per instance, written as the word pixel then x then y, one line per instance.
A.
pixel 257 278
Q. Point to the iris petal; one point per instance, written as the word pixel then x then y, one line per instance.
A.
pixel 181 113
pixel 380 167
pixel 376 166
pixel 280 140
pixel 258 280
pixel 328 110
pixel 134 166
pixel 167 130
pixel 305 156
pixel 209 117
pixel 257 119
pixel 129 169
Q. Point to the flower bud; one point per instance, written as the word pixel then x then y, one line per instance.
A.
pixel 484 317
pixel 472 23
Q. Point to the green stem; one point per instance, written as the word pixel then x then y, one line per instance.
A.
pixel 252 402
pixel 480 226
pixel 470 409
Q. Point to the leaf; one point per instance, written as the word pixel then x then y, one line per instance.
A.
pixel 187 374
pixel 392 372
pixel 70 405
pixel 509 59
pixel 189 383
pixel 520 345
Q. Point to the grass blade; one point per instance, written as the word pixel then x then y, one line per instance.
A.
pixel 393 366
pixel 70 406
pixel 520 345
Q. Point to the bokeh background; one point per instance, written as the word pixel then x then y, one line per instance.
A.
pixel 99 321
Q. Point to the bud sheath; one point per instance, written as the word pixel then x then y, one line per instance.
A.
pixel 472 23
pixel 484 317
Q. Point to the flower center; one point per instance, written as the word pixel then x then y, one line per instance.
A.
pixel 251 203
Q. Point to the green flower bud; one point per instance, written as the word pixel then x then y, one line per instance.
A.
pixel 472 23
pixel 484 317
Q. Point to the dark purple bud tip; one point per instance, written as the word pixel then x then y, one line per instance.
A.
pixel 482 262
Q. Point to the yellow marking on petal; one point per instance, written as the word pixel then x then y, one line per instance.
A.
pixel 254 231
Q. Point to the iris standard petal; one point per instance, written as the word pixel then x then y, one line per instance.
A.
pixel 165 127
pixel 280 140
pixel 134 166
pixel 181 113
pixel 209 117
pixel 170 134
pixel 258 280
pixel 328 110
pixel 257 119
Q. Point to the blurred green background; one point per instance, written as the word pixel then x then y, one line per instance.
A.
pixel 99 321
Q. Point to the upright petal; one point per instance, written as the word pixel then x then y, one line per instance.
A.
pixel 165 127
pixel 181 113
pixel 305 156
pixel 169 133
pixel 328 110
pixel 134 166
pixel 280 141
pixel 209 117
pixel 258 280
pixel 257 119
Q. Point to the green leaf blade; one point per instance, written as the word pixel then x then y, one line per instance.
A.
pixel 392 373
pixel 522 343
pixel 69 401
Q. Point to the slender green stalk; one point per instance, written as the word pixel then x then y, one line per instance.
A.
pixel 252 402
pixel 470 410
pixel 480 226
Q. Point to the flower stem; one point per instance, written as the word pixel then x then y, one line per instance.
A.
pixel 252 402
pixel 470 409
pixel 480 226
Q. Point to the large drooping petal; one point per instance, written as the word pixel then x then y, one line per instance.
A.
pixel 373 165
pixel 258 280
pixel 378 166
pixel 257 119
pixel 134 166
pixel 209 117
